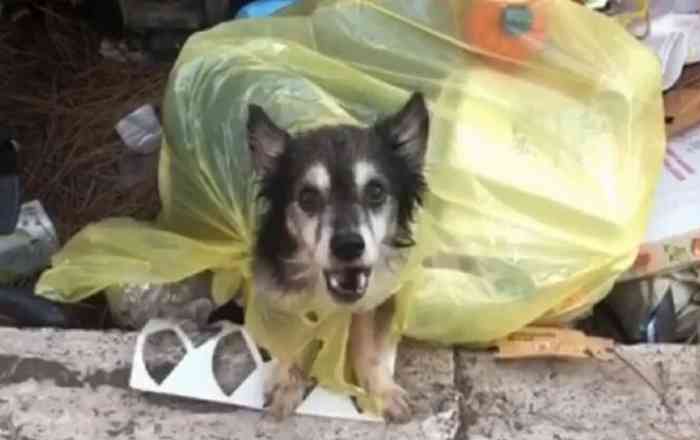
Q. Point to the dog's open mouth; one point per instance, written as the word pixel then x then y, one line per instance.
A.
pixel 349 284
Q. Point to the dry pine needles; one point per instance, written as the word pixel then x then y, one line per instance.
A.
pixel 63 99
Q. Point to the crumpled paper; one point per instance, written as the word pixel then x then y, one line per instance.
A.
pixel 674 36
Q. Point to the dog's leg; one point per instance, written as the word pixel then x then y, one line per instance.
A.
pixel 372 352
pixel 285 390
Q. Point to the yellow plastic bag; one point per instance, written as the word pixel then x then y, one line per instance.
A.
pixel 546 142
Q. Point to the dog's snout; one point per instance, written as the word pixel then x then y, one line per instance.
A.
pixel 347 246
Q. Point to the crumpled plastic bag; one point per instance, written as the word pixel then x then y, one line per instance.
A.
pixel 546 142
pixel 661 309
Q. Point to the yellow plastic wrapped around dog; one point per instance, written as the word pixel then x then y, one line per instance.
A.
pixel 546 141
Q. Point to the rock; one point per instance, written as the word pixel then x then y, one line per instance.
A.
pixel 132 306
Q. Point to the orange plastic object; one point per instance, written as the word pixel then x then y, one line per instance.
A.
pixel 557 343
pixel 510 29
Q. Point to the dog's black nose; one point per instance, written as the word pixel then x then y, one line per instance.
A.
pixel 347 246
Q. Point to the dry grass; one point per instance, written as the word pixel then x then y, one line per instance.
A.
pixel 63 99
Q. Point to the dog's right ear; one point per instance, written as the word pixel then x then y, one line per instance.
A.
pixel 266 141
pixel 407 130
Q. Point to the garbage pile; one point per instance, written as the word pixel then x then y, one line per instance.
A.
pixel 110 157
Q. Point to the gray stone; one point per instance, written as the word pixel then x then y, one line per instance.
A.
pixel 74 385
pixel 133 305
pixel 646 393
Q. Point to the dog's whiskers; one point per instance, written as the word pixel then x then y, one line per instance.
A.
pixel 300 275
pixel 298 267
pixel 393 257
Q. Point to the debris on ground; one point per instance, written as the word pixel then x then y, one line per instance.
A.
pixel 263 8
pixel 674 36
pixel 661 309
pixel 63 99
pixel 140 130
pixel 10 192
pixel 132 306
pixel 30 247
pixel 557 343
pixel 683 103
pixel 658 299
pixel 79 83
pixel 83 82
pixel 672 239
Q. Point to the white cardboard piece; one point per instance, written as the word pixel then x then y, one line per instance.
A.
pixel 678 193
pixel 194 377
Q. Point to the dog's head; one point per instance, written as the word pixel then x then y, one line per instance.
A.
pixel 340 199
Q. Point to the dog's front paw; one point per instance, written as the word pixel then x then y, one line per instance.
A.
pixel 284 396
pixel 396 407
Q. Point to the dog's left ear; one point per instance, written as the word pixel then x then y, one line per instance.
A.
pixel 266 141
pixel 407 130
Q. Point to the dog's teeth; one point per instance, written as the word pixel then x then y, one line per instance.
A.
pixel 334 282
pixel 362 281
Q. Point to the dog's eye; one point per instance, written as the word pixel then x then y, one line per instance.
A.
pixel 375 193
pixel 310 200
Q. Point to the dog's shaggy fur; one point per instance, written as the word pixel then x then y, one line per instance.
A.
pixel 340 201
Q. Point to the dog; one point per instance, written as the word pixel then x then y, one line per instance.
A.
pixel 339 205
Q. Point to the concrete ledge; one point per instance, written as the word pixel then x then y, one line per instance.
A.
pixel 647 393
pixel 73 385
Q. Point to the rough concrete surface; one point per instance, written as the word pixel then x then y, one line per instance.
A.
pixel 646 393
pixel 73 385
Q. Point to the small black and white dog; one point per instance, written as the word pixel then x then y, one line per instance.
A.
pixel 340 203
